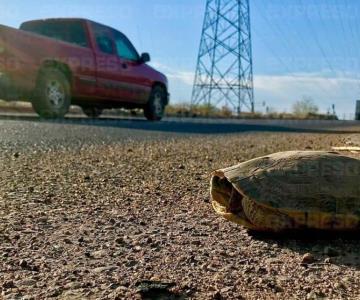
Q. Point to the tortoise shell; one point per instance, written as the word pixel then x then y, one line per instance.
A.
pixel 291 190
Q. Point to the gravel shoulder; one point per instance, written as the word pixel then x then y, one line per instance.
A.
pixel 94 221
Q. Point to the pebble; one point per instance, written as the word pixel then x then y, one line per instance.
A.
pixel 328 260
pixel 339 285
pixel 72 286
pixel 216 296
pixel 67 241
pixel 137 248
pixel 308 258
pixel 312 295
pixel 55 292
pixel 104 269
pixel 27 282
pixel 8 285
pixel 99 254
pixel 113 286
pixel 23 263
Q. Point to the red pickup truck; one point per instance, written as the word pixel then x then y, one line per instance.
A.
pixel 56 63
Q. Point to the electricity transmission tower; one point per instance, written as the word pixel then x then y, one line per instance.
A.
pixel 224 74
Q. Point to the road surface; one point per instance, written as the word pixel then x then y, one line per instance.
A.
pixel 24 131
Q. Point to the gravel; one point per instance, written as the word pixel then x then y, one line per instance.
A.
pixel 103 221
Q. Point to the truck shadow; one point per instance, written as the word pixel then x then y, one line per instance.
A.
pixel 203 126
pixel 341 249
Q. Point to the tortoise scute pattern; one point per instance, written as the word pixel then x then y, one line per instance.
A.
pixel 295 190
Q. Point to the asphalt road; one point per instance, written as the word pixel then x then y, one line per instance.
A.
pixel 19 132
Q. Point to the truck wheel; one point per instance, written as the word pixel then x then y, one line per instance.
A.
pixel 155 108
pixel 52 96
pixel 92 112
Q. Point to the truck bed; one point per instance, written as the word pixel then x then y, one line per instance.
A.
pixel 23 54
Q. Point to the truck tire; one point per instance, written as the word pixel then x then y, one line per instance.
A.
pixel 52 97
pixel 155 108
pixel 92 112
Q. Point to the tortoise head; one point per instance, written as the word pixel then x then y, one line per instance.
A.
pixel 228 201
pixel 224 193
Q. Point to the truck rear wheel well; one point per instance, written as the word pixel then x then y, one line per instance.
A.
pixel 53 64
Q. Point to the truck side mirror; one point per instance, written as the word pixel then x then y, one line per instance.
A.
pixel 145 57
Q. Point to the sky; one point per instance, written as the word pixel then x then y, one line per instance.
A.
pixel 301 48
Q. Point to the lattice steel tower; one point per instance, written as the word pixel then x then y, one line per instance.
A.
pixel 224 74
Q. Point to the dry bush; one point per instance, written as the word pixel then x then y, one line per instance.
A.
pixel 205 111
pixel 305 107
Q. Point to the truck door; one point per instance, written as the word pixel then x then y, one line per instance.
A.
pixel 107 64
pixel 135 82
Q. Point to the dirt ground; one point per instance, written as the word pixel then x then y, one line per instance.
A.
pixel 97 223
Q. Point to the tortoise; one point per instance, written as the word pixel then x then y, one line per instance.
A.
pixel 296 190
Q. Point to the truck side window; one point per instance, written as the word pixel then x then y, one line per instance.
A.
pixel 103 38
pixel 105 44
pixel 124 48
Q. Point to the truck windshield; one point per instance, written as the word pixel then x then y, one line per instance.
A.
pixel 70 31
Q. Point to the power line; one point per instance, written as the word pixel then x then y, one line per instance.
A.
pixel 314 34
pixel 272 24
pixel 345 52
pixel 317 41
pixel 341 68
pixel 290 49
pixel 355 40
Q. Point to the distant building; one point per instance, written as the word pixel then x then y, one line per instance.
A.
pixel 357 114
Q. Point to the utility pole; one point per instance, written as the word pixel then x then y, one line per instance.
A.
pixel 224 73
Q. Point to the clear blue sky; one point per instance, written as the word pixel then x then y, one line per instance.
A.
pixel 300 47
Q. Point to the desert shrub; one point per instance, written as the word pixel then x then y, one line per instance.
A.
pixel 305 107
